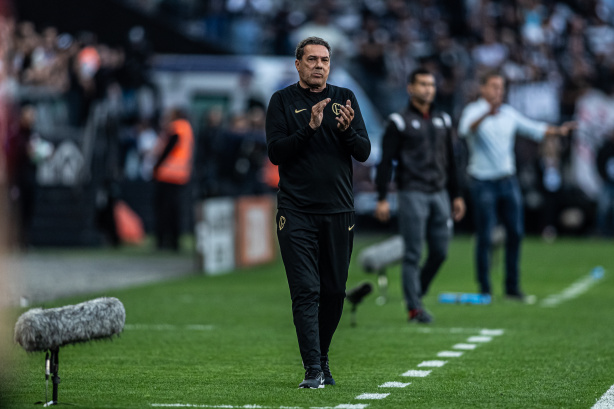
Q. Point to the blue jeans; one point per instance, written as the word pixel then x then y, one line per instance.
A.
pixel 605 210
pixel 489 198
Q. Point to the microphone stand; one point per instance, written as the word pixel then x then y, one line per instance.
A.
pixel 52 365
pixel 55 379
pixel 353 314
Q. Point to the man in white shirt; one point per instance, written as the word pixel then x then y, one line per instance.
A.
pixel 490 128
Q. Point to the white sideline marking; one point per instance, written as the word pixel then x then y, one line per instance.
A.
pixel 432 364
pixel 167 327
pixel 467 347
pixel 191 405
pixel 480 338
pixel 449 354
pixel 492 332
pixel 372 396
pixel 394 385
pixel 454 330
pixel 416 373
pixel 606 401
pixel 576 289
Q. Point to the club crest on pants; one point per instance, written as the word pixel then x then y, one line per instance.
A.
pixel 282 222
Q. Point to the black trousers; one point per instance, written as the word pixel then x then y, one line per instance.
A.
pixel 168 199
pixel 316 251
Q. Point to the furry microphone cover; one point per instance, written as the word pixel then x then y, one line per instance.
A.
pixel 45 329
pixel 382 254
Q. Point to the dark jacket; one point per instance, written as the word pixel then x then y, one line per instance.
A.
pixel 605 161
pixel 422 146
pixel 315 167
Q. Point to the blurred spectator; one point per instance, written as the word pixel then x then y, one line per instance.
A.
pixel 559 52
pixel 248 24
pixel 490 53
pixel 146 143
pixel 172 172
pixel 595 116
pixel 26 149
pixel 605 203
pixel 133 67
pixel 490 128
pixel 550 173
pixel 209 148
pixel 370 61
pixel 320 25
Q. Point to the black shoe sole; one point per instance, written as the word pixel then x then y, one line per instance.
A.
pixel 311 387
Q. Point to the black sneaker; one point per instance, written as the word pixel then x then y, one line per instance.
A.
pixel 516 296
pixel 521 297
pixel 328 377
pixel 421 317
pixel 314 379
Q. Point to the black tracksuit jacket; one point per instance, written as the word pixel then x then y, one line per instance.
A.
pixel 423 151
pixel 315 167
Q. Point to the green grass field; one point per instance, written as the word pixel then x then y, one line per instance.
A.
pixel 229 342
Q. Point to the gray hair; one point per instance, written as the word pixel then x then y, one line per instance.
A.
pixel 300 48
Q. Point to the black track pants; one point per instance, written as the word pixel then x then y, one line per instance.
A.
pixel 316 251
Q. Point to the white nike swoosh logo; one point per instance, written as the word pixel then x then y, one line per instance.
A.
pixel 351 227
pixel 296 111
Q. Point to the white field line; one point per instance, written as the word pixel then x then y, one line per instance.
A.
pixel 191 405
pixel 167 327
pixel 466 347
pixel 372 396
pixel 432 364
pixel 480 338
pixel 491 332
pixel 449 354
pixel 606 401
pixel 414 373
pixel 575 290
pixel 453 330
pixel 394 385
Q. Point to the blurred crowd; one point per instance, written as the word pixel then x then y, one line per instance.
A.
pixel 557 57
pixel 75 66
pixel 564 43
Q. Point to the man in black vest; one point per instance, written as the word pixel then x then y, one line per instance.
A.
pixel 419 138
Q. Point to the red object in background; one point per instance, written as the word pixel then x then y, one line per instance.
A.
pixel 129 225
pixel 271 174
